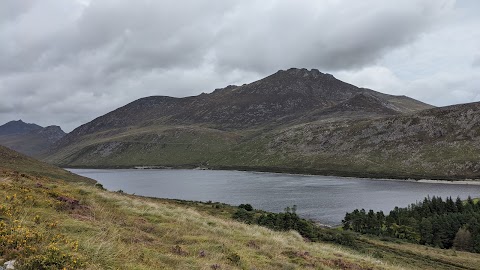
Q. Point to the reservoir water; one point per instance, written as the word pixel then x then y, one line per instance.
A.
pixel 325 199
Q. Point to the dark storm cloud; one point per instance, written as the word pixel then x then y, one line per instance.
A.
pixel 66 62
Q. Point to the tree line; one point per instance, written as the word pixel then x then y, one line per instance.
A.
pixel 289 220
pixel 435 222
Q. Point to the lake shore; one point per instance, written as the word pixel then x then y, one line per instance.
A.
pixel 457 180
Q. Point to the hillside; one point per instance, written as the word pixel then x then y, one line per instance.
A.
pixel 14 162
pixel 281 123
pixel 439 143
pixel 29 139
pixel 442 143
pixel 49 223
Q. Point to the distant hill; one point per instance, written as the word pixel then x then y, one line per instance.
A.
pixel 29 139
pixel 18 127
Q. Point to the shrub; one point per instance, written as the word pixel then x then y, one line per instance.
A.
pixel 99 186
pixel 247 207
pixel 243 216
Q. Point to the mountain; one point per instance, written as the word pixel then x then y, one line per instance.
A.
pixel 29 139
pixel 18 127
pixel 292 121
pixel 280 98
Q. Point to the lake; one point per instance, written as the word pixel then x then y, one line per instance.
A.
pixel 325 199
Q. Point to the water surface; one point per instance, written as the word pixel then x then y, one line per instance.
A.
pixel 325 199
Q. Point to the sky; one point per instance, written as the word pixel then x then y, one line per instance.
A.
pixel 66 62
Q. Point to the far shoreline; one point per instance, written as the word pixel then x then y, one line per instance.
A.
pixel 305 172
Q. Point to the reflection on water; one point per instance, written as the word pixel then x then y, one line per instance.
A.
pixel 322 198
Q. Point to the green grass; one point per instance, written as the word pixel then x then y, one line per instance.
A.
pixel 13 161
pixel 117 231
pixel 109 230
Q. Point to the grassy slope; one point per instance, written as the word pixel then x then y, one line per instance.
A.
pixel 317 148
pixel 155 145
pixel 29 144
pixel 14 161
pixel 115 231
pixel 45 220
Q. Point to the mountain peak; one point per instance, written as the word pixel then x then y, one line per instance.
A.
pixel 29 139
pixel 304 73
pixel 51 133
pixel 18 127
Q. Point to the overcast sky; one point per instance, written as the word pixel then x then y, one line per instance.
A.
pixel 65 62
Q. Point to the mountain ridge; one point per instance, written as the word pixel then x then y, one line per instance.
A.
pixel 30 139
pixel 278 98
pixel 17 127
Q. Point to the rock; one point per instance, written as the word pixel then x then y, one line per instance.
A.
pixel 9 265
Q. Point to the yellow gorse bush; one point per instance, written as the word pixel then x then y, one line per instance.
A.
pixel 32 242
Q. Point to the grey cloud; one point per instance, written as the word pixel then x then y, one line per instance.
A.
pixel 476 61
pixel 326 35
pixel 248 35
pixel 447 88
pixel 64 62
pixel 439 89
pixel 12 9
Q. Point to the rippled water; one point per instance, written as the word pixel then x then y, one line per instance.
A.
pixel 322 198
